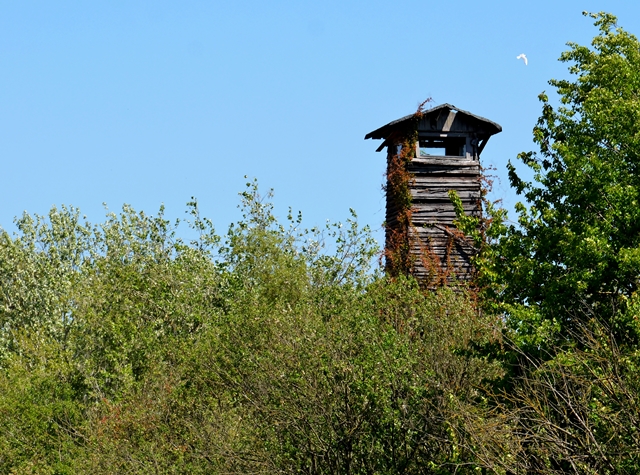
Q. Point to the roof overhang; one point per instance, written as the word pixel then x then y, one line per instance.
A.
pixel 410 122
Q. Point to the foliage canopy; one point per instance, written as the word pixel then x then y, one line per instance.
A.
pixel 576 249
pixel 127 350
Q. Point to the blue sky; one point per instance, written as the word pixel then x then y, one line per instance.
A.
pixel 150 102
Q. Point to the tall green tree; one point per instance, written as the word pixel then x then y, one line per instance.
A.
pixel 576 251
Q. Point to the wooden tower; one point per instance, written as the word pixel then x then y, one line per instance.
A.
pixel 428 154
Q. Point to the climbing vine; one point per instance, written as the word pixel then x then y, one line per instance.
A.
pixel 398 256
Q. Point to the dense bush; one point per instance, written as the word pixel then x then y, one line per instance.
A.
pixel 126 350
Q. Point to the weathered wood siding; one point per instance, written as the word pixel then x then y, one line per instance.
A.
pixel 447 157
pixel 433 247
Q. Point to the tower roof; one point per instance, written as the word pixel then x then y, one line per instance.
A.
pixel 485 126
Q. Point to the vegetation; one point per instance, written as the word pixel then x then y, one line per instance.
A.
pixel 125 349
pixel 576 250
pixel 566 278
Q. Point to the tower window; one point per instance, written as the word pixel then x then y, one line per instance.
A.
pixel 451 147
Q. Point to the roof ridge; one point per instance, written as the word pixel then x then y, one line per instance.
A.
pixel 381 132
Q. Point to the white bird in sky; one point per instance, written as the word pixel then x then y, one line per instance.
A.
pixel 523 57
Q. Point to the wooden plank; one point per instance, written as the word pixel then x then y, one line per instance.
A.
pixel 460 263
pixel 424 208
pixel 446 127
pixel 433 211
pixel 427 194
pixel 428 204
pixel 443 257
pixel 441 217
pixel 417 243
pixel 466 173
pixel 437 188
pixel 434 171
pixel 445 183
pixel 456 253
pixel 442 247
pixel 464 180
pixel 430 171
pixel 416 168
pixel 422 217
pixel 429 208
pixel 425 232
pixel 444 160
pixel 461 255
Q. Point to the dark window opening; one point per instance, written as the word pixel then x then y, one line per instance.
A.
pixel 451 147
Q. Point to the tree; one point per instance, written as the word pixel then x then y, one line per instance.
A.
pixel 576 252
pixel 578 411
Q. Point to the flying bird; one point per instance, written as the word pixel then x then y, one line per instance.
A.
pixel 523 57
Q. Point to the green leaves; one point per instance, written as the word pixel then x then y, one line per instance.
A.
pixel 273 349
pixel 576 237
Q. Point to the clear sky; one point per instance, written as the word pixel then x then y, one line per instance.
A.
pixel 150 102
